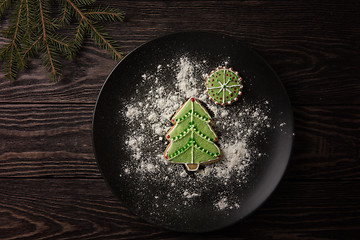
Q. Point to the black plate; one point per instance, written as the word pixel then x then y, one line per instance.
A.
pixel 148 195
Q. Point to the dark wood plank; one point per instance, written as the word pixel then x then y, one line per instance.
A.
pixel 42 140
pixel 313 46
pixel 82 80
pixel 54 140
pixel 86 209
pixel 326 143
pixel 51 187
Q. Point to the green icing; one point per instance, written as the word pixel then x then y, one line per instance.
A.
pixel 224 86
pixel 191 139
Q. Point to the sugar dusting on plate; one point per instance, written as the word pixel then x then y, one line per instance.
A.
pixel 163 90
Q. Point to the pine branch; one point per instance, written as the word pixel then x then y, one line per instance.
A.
pixel 84 2
pixel 98 34
pixel 2 53
pixel 79 36
pixel 4 5
pixel 65 15
pixel 61 43
pixel 30 50
pixel 104 41
pixel 105 14
pixel 32 31
pixel 49 57
pixel 27 18
pixel 15 58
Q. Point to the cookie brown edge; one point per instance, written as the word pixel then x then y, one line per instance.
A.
pixel 211 123
pixel 207 79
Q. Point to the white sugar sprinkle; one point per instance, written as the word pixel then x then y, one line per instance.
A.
pixel 187 194
pixel 222 203
pixel 148 121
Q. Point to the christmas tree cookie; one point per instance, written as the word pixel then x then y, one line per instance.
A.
pixel 192 138
pixel 224 86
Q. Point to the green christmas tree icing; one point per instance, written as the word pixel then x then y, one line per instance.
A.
pixel 192 138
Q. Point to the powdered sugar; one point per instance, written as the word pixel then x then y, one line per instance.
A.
pixel 135 142
pixel 132 112
pixel 148 121
pixel 187 194
pixel 222 203
pixel 185 78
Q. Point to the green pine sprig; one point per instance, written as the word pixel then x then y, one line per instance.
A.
pixel 34 30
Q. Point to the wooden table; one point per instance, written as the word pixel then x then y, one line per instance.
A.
pixel 51 188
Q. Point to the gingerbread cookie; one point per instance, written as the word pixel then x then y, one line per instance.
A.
pixel 224 86
pixel 192 138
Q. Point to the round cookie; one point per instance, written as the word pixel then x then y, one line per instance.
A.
pixel 224 86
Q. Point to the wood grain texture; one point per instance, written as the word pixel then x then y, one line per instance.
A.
pixel 86 209
pixel 54 140
pixel 51 188
pixel 46 140
pixel 82 81
pixel 326 143
pixel 313 47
